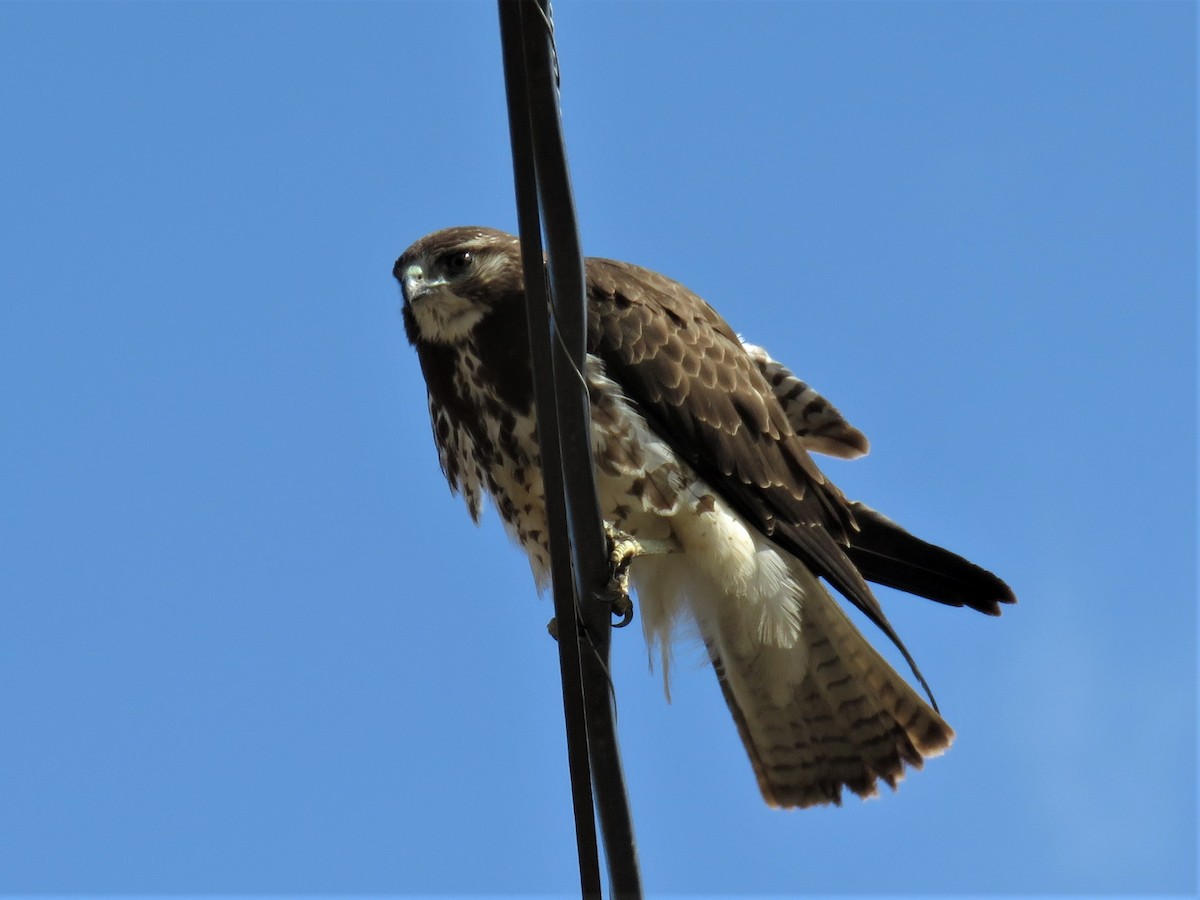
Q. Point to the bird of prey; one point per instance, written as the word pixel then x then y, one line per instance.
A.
pixel 701 444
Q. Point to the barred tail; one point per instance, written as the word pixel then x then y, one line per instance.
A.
pixel 850 722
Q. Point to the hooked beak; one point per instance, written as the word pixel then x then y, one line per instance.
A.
pixel 412 281
pixel 415 283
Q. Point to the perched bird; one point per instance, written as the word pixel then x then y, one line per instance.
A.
pixel 701 443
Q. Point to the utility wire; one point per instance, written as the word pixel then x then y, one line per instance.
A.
pixel 538 314
pixel 578 549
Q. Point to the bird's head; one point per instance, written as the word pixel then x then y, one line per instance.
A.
pixel 452 279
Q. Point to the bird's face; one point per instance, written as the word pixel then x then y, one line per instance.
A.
pixel 452 279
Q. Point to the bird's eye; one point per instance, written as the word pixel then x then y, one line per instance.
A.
pixel 458 262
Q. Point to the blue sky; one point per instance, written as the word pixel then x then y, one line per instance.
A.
pixel 250 644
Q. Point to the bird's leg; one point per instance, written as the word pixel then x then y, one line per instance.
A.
pixel 623 549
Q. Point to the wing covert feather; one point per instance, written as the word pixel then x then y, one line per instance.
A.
pixel 693 380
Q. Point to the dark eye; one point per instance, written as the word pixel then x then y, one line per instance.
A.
pixel 458 262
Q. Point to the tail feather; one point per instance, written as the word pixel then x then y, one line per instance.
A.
pixel 850 722
pixel 814 765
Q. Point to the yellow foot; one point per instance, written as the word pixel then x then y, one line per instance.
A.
pixel 622 550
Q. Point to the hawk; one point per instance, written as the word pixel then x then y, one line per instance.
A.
pixel 702 444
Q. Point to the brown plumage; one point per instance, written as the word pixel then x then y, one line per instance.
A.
pixel 703 441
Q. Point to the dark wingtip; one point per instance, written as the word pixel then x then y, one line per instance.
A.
pixel 887 554
pixel 1008 597
pixel 987 594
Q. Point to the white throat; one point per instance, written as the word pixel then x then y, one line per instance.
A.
pixel 443 317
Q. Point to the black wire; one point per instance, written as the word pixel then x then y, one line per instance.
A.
pixel 591 549
pixel 566 438
pixel 538 313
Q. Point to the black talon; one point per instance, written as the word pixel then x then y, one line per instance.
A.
pixel 622 607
